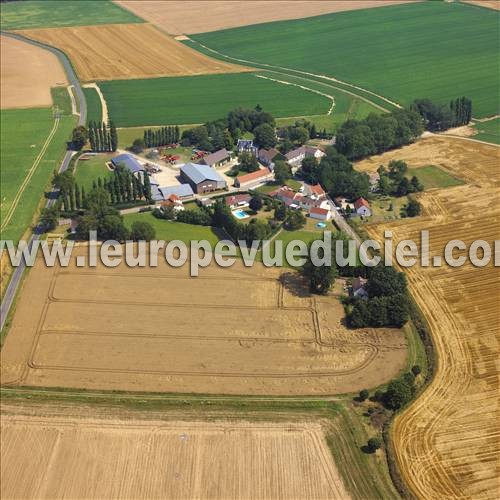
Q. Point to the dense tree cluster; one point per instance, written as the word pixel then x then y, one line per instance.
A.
pixel 161 136
pixel 438 117
pixel 297 135
pixel 79 137
pixel 412 209
pixel 336 174
pixel 102 138
pixel 388 303
pixel 375 134
pixel 394 181
pixel 224 132
pixel 70 197
pixel 101 217
pixel 247 162
pixel 399 392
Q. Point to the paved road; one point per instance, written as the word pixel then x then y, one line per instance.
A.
pixel 16 277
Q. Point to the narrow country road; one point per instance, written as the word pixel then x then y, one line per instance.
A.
pixel 17 275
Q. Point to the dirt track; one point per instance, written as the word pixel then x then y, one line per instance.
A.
pixel 72 457
pixel 447 442
pixel 121 51
pixel 193 16
pixel 229 331
pixel 27 74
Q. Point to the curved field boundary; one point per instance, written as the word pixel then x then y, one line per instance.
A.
pixel 329 112
pixel 30 174
pixel 270 66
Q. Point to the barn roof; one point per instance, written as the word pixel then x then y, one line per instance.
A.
pixel 182 190
pixel 128 161
pixel 200 173
pixel 216 157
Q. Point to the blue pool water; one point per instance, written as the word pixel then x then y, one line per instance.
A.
pixel 321 225
pixel 240 214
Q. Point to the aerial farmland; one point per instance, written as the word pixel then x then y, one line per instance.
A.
pixel 190 166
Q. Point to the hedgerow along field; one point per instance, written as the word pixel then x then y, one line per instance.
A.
pixel 436 50
pixel 56 13
pixel 197 99
pixel 23 133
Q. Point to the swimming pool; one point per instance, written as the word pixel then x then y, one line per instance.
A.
pixel 240 214
pixel 321 225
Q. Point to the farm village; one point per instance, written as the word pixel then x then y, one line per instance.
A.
pixel 242 122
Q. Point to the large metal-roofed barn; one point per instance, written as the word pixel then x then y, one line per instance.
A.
pixel 202 178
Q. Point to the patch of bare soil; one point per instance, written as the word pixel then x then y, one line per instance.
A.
pixel 188 17
pixel 27 74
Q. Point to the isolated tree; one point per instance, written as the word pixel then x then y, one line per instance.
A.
pixel 296 220
pixel 416 370
pixel 256 203
pixel 413 208
pixel 49 218
pixel 363 395
pixel 142 230
pixel 373 444
pixel 79 137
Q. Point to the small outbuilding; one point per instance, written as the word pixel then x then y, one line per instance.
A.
pixel 362 207
pixel 217 159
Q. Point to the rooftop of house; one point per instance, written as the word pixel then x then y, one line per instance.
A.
pixel 358 283
pixel 268 154
pixel 216 157
pixel 253 176
pixel 361 202
pixel 319 211
pixel 317 190
pixel 199 173
pixel 237 198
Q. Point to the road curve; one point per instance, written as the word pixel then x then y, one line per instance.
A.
pixel 16 277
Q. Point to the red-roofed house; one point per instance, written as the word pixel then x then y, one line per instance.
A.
pixel 362 207
pixel 315 191
pixel 238 200
pixel 257 177
pixel 320 213
pixel 173 201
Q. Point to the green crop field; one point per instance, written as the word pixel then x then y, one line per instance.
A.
pixel 58 13
pixel 89 170
pixel 197 99
pixel 488 131
pixel 434 177
pixel 94 109
pixel 436 50
pixel 23 133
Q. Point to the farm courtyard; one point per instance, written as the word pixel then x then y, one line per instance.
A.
pixel 232 330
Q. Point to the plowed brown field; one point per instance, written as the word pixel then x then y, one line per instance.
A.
pixel 447 442
pixel 105 459
pixel 27 74
pixel 121 51
pixel 193 16
pixel 231 330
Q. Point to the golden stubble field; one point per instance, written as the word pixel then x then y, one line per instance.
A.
pixel 122 51
pixel 193 16
pixel 447 442
pixel 230 331
pixel 97 458
pixel 27 74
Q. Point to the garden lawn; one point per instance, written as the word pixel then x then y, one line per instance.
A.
pixel 488 131
pixel 22 135
pixel 434 177
pixel 89 170
pixel 435 50
pixel 56 13
pixel 197 99
pixel 169 230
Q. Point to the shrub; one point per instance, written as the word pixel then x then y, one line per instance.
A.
pixel 363 394
pixel 374 444
pixel 416 370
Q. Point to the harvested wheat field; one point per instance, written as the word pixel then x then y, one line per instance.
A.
pixel 190 17
pixel 121 51
pixel 447 442
pixel 490 4
pixel 231 330
pixel 72 457
pixel 27 74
